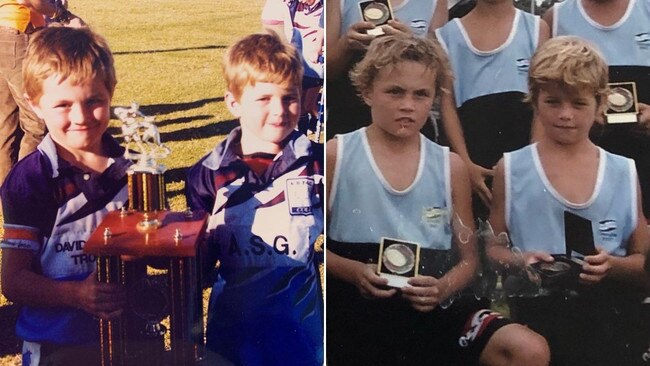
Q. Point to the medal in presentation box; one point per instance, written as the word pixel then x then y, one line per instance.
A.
pixel 398 261
pixel 622 104
pixel 377 12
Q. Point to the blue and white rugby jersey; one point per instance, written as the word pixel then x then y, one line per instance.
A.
pixel 503 69
pixel 534 210
pixel 364 207
pixel 50 209
pixel 416 14
pixel 262 229
pixel 627 42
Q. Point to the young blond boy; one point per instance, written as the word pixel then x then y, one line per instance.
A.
pixel 388 180
pixel 263 187
pixel 55 197
pixel 619 28
pixel 565 171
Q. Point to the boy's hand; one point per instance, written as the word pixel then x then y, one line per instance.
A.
pixel 357 37
pixel 369 283
pixel 103 300
pixel 423 293
pixel 478 175
pixel 596 267
pixel 644 116
pixel 534 257
pixel 396 27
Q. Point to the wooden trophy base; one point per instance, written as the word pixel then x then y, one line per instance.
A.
pixel 123 253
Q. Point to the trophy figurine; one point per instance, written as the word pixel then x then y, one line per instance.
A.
pixel 146 234
pixel 146 180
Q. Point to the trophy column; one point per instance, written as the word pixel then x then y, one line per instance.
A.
pixel 127 242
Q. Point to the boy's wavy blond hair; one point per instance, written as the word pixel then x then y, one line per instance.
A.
pixel 569 61
pixel 387 51
pixel 77 54
pixel 261 58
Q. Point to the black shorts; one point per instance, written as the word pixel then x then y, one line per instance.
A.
pixel 390 332
pixel 588 330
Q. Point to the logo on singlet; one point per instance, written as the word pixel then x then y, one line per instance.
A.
pixel 608 229
pixel 643 40
pixel 522 65
pixel 419 26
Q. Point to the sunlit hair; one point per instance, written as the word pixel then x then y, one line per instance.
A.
pixel 387 51
pixel 79 55
pixel 568 61
pixel 261 58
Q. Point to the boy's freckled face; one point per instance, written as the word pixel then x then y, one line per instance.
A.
pixel 567 115
pixel 401 97
pixel 76 116
pixel 267 112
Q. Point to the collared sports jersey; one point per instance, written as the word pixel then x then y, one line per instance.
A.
pixel 51 208
pixel 364 207
pixel 534 210
pixel 626 42
pixel 301 25
pixel 503 69
pixel 266 306
pixel 416 14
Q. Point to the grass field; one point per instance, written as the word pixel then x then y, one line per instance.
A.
pixel 168 59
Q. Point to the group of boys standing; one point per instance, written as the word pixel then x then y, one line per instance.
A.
pixel 386 181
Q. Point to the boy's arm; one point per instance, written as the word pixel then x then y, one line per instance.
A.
pixel 440 17
pixel 425 292
pixel 544 33
pixel 361 275
pixel 497 245
pixel 340 47
pixel 628 269
pixel 548 18
pixel 453 130
pixel 464 231
pixel 22 285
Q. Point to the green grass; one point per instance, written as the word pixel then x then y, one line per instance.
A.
pixel 168 59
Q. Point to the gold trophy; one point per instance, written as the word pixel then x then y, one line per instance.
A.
pixel 128 241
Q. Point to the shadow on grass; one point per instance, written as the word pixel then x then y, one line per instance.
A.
pixel 210 47
pixel 213 129
pixel 156 109
pixel 9 344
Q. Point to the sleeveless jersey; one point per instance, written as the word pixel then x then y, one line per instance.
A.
pixel 365 208
pixel 262 229
pixel 534 210
pixel 50 209
pixel 627 42
pixel 503 69
pixel 416 14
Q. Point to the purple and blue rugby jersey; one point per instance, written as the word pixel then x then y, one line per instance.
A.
pixel 51 208
pixel 266 306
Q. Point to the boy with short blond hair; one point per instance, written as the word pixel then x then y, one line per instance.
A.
pixel 595 322
pixel 77 175
pixel 388 181
pixel 262 187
